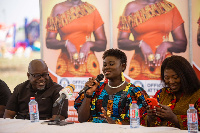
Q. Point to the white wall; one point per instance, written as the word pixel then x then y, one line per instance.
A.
pixel 15 11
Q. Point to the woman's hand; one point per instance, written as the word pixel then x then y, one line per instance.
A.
pixel 161 53
pixel 166 113
pixel 73 54
pixel 92 86
pixel 151 112
pixel 147 52
pixel 151 116
pixel 84 51
pixel 108 118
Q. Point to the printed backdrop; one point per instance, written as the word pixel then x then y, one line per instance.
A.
pixel 195 27
pixel 110 11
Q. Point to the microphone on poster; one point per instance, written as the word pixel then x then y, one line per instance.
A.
pixel 65 93
pixel 98 79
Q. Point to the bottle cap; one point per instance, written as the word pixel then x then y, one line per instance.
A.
pixel 191 105
pixel 134 101
pixel 32 98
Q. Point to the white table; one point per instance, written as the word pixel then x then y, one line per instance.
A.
pixel 25 126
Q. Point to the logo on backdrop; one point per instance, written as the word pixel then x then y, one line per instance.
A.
pixel 138 84
pixel 64 82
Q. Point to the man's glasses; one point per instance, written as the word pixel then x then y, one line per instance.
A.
pixel 38 76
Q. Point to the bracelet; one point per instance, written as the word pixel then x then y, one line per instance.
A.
pixel 140 43
pixel 66 42
pixel 88 96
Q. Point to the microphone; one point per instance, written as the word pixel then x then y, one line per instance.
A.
pixel 98 79
pixel 65 93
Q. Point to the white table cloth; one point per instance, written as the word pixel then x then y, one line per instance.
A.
pixel 25 126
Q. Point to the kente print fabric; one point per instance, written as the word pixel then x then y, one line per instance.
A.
pixel 179 108
pixel 117 104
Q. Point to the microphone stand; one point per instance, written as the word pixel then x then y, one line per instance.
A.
pixel 57 120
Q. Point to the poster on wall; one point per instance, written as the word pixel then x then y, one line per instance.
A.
pixel 196 35
pixel 74 37
pixel 150 31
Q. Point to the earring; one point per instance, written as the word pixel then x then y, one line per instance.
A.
pixel 122 75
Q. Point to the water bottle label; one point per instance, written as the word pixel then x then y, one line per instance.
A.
pixel 33 109
pixel 192 117
pixel 134 113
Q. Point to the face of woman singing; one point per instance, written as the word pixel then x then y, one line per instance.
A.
pixel 172 80
pixel 112 67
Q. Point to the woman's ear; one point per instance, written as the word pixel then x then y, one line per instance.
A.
pixel 123 67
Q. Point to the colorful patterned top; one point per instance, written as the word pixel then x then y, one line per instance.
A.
pixel 166 97
pixel 117 103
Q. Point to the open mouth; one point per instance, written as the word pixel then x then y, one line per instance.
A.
pixel 41 84
pixel 173 87
pixel 107 72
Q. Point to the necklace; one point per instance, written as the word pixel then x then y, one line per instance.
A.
pixel 116 86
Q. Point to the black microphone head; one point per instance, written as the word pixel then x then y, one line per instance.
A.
pixel 99 77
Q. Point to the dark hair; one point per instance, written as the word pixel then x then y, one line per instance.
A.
pixel 189 80
pixel 116 53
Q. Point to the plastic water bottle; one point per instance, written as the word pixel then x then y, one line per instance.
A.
pixel 192 119
pixel 33 110
pixel 134 115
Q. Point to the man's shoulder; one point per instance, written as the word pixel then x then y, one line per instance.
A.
pixel 3 86
pixel 2 82
pixel 22 85
pixel 54 85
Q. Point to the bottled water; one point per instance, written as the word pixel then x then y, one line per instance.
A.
pixel 192 119
pixel 134 115
pixel 33 110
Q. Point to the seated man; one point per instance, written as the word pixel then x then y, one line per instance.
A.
pixel 4 96
pixel 40 86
